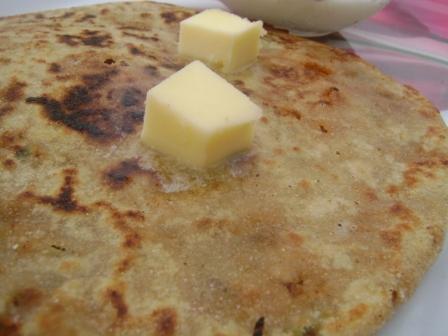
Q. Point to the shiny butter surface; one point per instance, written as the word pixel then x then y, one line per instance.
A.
pixel 221 39
pixel 198 118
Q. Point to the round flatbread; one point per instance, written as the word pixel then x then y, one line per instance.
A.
pixel 324 228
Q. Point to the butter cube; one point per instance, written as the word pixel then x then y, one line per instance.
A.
pixel 221 39
pixel 198 118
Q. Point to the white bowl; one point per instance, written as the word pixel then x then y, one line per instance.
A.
pixel 309 17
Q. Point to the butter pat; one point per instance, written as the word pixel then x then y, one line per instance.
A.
pixel 198 118
pixel 220 38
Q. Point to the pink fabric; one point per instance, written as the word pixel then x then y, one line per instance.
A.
pixel 425 17
pixel 408 40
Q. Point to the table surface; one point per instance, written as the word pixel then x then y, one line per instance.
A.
pixel 409 41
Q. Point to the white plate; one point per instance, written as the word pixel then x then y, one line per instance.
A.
pixel 425 314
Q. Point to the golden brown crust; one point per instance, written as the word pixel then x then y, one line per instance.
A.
pixel 323 229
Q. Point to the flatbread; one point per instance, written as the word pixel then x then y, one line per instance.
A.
pixel 324 228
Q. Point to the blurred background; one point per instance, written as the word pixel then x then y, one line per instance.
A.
pixel 409 41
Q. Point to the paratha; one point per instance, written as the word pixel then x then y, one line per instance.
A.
pixel 324 228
